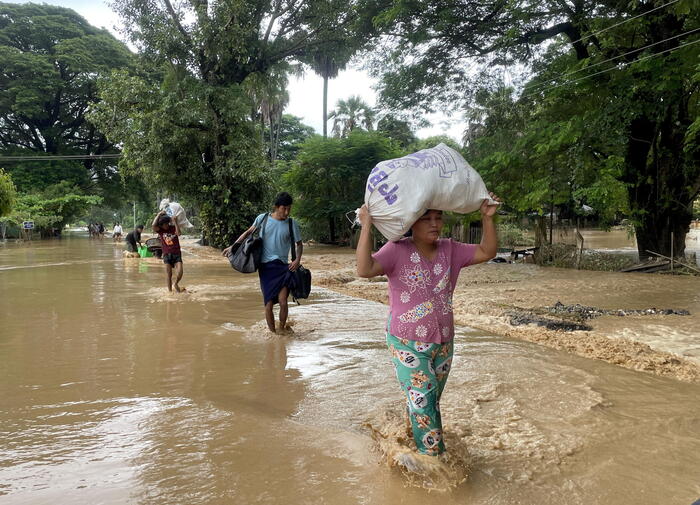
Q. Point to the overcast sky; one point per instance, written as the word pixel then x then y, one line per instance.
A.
pixel 305 94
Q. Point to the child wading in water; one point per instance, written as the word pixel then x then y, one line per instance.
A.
pixel 422 270
pixel 168 231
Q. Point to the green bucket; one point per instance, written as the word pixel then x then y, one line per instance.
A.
pixel 144 252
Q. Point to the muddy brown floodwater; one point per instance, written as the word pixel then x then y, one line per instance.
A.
pixel 113 392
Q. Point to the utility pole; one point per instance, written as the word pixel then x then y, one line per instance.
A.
pixel 134 215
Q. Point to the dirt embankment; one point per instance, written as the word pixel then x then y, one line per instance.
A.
pixel 513 300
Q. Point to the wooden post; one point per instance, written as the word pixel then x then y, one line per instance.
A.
pixel 579 248
pixel 671 259
pixel 672 252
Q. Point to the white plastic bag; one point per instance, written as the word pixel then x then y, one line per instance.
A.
pixel 399 191
pixel 175 210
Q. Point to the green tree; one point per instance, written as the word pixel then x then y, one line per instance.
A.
pixel 50 212
pixel 540 157
pixel 8 193
pixel 51 59
pixel 634 65
pixel 351 114
pixel 429 142
pixel 328 179
pixel 191 131
pixel 293 133
pixel 397 129
pixel 270 97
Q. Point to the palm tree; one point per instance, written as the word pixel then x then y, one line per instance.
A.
pixel 351 114
pixel 327 67
pixel 269 96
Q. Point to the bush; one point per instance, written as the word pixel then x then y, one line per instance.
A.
pixel 511 235
pixel 564 256
pixel 8 193
pixel 328 178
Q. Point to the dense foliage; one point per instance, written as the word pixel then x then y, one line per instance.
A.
pixel 193 128
pixel 8 193
pixel 50 211
pixel 51 60
pixel 328 179
pixel 608 115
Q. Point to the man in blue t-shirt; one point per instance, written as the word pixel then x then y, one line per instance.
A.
pixel 274 270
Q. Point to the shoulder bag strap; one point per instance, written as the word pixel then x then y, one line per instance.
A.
pixel 291 239
pixel 261 227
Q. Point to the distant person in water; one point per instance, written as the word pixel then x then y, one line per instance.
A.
pixel 169 232
pixel 422 270
pixel 275 271
pixel 133 239
pixel 117 232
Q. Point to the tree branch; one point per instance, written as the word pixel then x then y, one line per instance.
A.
pixel 275 14
pixel 176 20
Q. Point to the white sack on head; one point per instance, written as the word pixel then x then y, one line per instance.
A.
pixel 175 210
pixel 399 191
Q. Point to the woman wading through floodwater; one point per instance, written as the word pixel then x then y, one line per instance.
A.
pixel 422 270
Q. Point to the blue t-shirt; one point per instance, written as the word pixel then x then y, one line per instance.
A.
pixel 276 240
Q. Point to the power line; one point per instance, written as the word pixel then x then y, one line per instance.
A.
pixel 626 21
pixel 609 69
pixel 61 157
pixel 689 32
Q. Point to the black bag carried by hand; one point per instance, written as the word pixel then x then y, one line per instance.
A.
pixel 302 276
pixel 245 257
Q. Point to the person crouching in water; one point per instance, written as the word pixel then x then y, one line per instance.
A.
pixel 422 271
pixel 133 240
pixel 274 270
pixel 169 231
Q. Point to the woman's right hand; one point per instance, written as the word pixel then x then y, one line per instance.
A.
pixel 227 251
pixel 364 217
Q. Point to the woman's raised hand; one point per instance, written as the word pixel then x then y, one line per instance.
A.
pixel 488 209
pixel 364 217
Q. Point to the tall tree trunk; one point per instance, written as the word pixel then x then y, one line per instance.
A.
pixel 331 228
pixel 540 240
pixel 661 183
pixel 325 106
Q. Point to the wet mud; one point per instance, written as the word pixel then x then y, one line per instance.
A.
pixel 520 317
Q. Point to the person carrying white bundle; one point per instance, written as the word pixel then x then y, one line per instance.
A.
pixel 399 191
pixel 422 271
pixel 175 210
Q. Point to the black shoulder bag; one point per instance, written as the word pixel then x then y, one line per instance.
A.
pixel 302 276
pixel 245 257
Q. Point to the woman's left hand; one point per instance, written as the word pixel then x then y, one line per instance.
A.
pixel 488 209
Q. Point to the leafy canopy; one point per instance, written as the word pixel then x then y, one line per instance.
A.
pixel 8 193
pixel 607 114
pixel 51 60
pixel 192 126
pixel 328 177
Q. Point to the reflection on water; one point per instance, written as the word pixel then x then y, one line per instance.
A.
pixel 621 241
pixel 613 239
pixel 113 391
